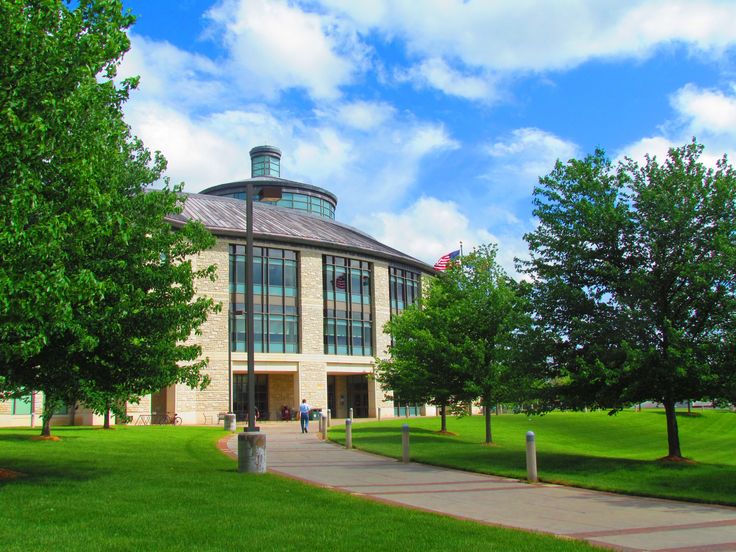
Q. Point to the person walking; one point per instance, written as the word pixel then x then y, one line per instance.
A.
pixel 304 409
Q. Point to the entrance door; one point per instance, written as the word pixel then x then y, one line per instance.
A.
pixel 332 395
pixel 240 396
pixel 358 395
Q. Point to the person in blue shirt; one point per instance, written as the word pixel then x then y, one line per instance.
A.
pixel 304 409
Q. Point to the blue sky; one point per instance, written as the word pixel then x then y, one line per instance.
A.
pixel 431 120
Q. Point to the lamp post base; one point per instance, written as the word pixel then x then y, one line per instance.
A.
pixel 252 452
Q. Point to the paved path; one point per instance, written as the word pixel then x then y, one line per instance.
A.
pixel 610 520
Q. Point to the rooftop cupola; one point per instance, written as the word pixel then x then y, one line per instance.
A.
pixel 265 161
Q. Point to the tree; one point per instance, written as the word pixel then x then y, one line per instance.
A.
pixel 494 317
pixel 90 269
pixel 635 276
pixel 429 357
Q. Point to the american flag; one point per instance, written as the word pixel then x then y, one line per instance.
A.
pixel 445 260
pixel 341 282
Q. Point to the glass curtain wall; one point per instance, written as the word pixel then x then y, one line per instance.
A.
pixel 348 324
pixel 275 299
pixel 404 291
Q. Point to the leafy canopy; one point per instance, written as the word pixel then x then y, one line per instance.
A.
pixel 96 289
pixel 635 271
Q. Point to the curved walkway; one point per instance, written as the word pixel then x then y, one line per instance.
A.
pixel 605 519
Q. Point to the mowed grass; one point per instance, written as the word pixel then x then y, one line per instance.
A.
pixel 614 453
pixel 168 488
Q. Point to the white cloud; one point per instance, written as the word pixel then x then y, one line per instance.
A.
pixel 436 73
pixel 463 48
pixel 532 35
pixel 707 114
pixel 519 159
pixel 171 74
pixel 429 228
pixel 711 111
pixel 274 45
pixel 364 115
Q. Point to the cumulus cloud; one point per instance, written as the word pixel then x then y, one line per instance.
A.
pixel 526 35
pixel 274 45
pixel 172 75
pixel 436 73
pixel 520 158
pixel 364 115
pixel 705 113
pixel 429 228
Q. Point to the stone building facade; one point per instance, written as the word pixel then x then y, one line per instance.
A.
pixel 324 292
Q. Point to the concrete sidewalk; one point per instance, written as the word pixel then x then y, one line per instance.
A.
pixel 610 520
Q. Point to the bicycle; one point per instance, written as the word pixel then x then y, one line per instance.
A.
pixel 166 419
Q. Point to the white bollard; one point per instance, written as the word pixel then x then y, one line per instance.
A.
pixel 531 457
pixel 378 412
pixel 329 417
pixel 348 433
pixel 323 426
pixel 350 413
pixel 405 443
pixel 252 452
pixel 230 422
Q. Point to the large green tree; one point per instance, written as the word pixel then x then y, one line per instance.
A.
pixel 96 293
pixel 635 270
pixel 494 319
pixel 429 357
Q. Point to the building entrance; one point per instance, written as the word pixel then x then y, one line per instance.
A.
pixel 240 396
pixel 358 395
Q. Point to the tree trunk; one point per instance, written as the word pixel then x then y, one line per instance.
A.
pixel 49 405
pixel 487 412
pixel 107 419
pixel 443 414
pixel 673 435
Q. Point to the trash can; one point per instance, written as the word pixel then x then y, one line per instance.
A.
pixel 315 414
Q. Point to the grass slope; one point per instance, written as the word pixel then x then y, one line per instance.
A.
pixel 168 488
pixel 613 453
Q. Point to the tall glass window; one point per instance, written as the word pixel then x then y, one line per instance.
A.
pixel 348 321
pixel 275 300
pixel 403 289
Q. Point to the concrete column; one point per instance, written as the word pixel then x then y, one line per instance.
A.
pixel 252 452
pixel 348 433
pixel 531 457
pixel 230 422
pixel 405 443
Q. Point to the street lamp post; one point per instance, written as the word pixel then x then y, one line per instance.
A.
pixel 250 318
pixel 267 194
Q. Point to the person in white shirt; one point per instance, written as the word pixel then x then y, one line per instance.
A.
pixel 304 409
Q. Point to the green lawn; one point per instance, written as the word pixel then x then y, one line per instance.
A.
pixel 168 488
pixel 614 453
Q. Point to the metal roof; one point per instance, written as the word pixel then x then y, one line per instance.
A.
pixel 225 216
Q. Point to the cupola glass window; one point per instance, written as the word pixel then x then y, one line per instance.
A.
pixel 275 298
pixel 265 165
pixel 348 325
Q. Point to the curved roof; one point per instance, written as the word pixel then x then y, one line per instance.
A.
pixel 225 216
